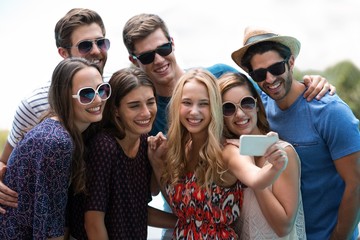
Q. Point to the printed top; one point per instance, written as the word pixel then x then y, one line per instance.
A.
pixel 204 215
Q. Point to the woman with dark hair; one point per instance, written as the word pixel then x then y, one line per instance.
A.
pixel 50 156
pixel 275 212
pixel 118 170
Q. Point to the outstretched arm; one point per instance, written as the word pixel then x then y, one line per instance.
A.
pixel 279 204
pixel 244 168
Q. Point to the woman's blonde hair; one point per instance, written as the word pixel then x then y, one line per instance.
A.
pixel 210 165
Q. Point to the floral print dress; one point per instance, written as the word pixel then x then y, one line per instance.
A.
pixel 204 215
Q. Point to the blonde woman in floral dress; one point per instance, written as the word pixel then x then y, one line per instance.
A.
pixel 203 187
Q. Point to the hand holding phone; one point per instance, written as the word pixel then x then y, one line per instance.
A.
pixel 256 145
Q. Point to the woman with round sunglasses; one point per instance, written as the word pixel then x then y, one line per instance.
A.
pixel 50 156
pixel 275 212
pixel 79 33
pixel 202 183
pixel 119 174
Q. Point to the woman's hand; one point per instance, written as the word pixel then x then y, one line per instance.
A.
pixel 7 196
pixel 155 141
pixel 276 155
pixel 157 146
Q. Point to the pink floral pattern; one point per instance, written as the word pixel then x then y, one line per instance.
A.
pixel 203 215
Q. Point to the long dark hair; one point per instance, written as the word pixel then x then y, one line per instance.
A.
pixel 60 101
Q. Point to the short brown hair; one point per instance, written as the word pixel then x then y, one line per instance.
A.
pixel 139 27
pixel 73 19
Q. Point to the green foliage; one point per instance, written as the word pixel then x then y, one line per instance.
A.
pixel 3 137
pixel 345 76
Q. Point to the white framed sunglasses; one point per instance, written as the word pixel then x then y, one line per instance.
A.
pixel 86 95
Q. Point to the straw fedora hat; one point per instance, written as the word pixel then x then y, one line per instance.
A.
pixel 254 35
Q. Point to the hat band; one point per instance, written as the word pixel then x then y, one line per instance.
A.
pixel 259 37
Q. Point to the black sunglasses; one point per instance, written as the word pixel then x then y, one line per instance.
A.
pixel 87 95
pixel 85 46
pixel 148 57
pixel 246 104
pixel 276 69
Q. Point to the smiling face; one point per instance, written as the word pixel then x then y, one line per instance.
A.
pixel 137 110
pixel 86 114
pixel 242 121
pixel 195 113
pixel 277 87
pixel 86 32
pixel 163 71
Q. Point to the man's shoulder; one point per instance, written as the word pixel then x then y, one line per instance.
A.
pixel 39 92
pixel 329 102
pixel 219 69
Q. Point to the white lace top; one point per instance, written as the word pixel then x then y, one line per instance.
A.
pixel 253 225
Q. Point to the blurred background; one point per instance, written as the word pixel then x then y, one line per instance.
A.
pixel 205 32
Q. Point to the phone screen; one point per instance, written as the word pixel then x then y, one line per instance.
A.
pixel 256 145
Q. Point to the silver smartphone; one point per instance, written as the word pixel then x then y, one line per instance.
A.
pixel 256 145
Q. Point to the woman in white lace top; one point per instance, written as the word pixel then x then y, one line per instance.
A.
pixel 275 212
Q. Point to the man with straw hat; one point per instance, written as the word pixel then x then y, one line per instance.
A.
pixel 324 133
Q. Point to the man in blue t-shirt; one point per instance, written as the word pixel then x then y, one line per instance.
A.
pixel 325 134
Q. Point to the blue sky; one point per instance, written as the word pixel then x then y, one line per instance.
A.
pixel 205 32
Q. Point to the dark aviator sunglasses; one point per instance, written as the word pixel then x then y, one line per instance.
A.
pixel 148 57
pixel 87 95
pixel 85 46
pixel 276 69
pixel 247 103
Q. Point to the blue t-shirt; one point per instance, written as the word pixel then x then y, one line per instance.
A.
pixel 321 132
